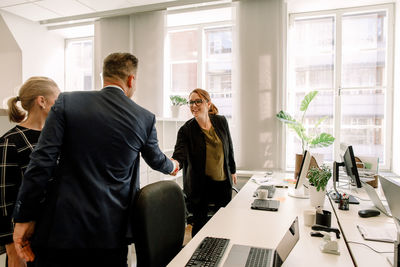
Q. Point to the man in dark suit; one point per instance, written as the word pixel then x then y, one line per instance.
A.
pixel 91 145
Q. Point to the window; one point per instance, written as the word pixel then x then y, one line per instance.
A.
pixel 346 56
pixel 79 64
pixel 199 55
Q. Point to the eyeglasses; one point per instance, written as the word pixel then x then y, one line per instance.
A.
pixel 197 102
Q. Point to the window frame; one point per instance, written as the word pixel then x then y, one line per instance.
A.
pixel 388 115
pixel 70 40
pixel 201 56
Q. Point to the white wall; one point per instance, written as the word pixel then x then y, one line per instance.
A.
pixel 396 96
pixel 111 35
pixel 141 34
pixel 42 51
pixel 5 125
pixel 259 72
pixel 11 63
pixel 296 6
pixel 148 45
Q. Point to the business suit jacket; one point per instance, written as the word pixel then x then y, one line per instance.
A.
pixel 91 144
pixel 190 152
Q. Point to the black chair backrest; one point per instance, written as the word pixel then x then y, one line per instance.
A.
pixel 159 223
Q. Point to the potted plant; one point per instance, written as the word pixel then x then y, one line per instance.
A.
pixel 318 179
pixel 308 140
pixel 176 102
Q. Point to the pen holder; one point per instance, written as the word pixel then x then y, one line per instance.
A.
pixel 343 203
pixel 323 218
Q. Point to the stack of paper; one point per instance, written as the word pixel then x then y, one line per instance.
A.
pixel 382 234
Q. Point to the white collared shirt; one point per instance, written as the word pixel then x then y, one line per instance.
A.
pixel 116 86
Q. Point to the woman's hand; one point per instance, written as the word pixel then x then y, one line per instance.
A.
pixel 13 259
pixel 234 178
pixel 22 235
pixel 176 167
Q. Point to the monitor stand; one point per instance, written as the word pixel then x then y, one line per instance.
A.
pixel 299 193
pixel 335 195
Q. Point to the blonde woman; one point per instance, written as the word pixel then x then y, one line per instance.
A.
pixel 36 97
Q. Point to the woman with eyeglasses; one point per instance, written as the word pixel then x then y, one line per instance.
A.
pixel 205 153
pixel 36 96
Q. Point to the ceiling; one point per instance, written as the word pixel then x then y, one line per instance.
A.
pixel 59 11
pixel 48 11
pixel 74 18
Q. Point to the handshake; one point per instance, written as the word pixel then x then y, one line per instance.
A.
pixel 176 167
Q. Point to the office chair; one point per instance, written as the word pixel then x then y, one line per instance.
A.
pixel 159 223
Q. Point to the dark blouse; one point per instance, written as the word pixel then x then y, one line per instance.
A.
pixel 190 152
pixel 15 148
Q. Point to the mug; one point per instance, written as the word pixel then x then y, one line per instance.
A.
pixel 262 193
pixel 309 217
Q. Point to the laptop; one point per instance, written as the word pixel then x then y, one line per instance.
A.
pixel 376 200
pixel 265 204
pixel 391 188
pixel 247 256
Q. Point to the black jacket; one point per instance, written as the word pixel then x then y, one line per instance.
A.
pixel 190 151
pixel 96 138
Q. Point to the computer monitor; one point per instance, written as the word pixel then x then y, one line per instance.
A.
pixel 350 166
pixel 301 191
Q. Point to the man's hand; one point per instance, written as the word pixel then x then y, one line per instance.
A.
pixel 22 234
pixel 13 259
pixel 176 167
pixel 234 178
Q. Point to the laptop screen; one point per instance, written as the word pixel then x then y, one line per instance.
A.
pixel 375 198
pixel 289 240
pixel 392 194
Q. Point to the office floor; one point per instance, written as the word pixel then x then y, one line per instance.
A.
pixel 188 231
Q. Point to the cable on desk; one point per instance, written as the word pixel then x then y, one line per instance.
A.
pixel 379 252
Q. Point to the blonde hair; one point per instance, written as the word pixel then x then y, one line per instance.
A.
pixel 206 96
pixel 29 91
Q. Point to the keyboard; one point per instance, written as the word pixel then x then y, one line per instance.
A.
pixel 271 190
pixel 259 257
pixel 209 252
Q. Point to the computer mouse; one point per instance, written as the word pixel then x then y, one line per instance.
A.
pixel 368 213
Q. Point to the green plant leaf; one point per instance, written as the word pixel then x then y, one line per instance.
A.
pixel 299 129
pixel 320 121
pixel 293 124
pixel 177 100
pixel 307 100
pixel 285 117
pixel 319 177
pixel 323 140
pixel 308 140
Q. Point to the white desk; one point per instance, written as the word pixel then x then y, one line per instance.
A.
pixel 348 220
pixel 265 229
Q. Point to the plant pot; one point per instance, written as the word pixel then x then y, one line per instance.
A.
pixel 299 159
pixel 297 165
pixel 175 111
pixel 317 198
